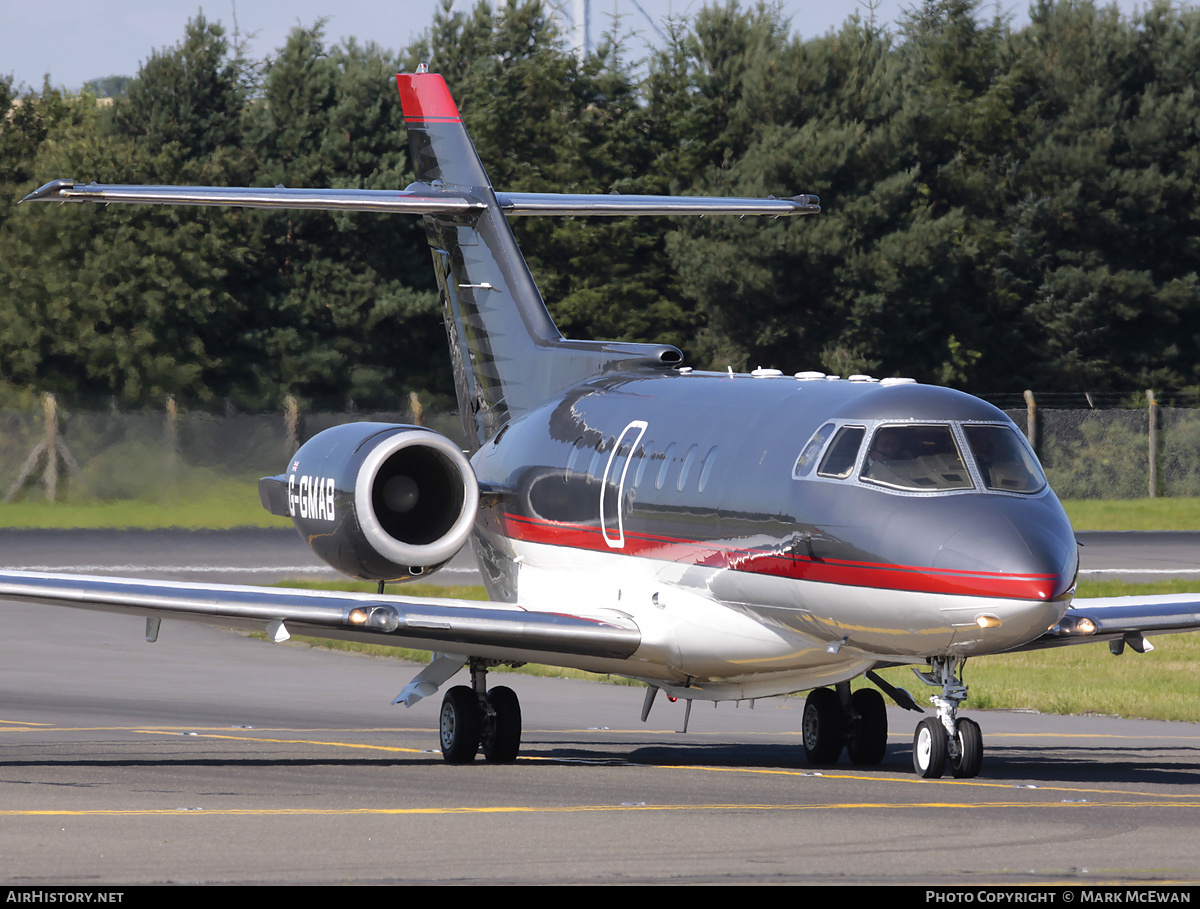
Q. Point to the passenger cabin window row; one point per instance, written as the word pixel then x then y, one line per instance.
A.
pixel 649 464
pixel 922 457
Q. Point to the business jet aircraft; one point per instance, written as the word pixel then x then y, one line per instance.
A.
pixel 719 536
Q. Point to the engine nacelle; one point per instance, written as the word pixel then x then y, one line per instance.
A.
pixel 378 501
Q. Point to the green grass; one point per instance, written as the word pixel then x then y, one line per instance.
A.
pixel 219 505
pixel 1134 514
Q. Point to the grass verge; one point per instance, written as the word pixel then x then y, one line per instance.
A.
pixel 1134 514
pixel 221 504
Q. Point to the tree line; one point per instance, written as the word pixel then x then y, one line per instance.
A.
pixel 1004 207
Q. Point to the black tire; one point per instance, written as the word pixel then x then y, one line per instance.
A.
pixel 461 724
pixel 929 748
pixel 502 733
pixel 868 733
pixel 970 750
pixel 823 727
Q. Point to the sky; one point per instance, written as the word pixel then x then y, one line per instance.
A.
pixel 77 40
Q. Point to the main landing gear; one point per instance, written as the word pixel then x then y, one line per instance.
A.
pixel 474 719
pixel 835 719
pixel 945 741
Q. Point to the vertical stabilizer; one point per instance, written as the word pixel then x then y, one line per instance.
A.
pixel 507 354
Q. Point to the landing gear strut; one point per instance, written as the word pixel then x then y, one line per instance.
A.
pixel 473 716
pixel 947 741
pixel 834 720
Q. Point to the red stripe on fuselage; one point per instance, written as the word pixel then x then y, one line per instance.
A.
pixel 425 96
pixel 829 571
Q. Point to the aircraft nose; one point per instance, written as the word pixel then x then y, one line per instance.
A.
pixel 1021 548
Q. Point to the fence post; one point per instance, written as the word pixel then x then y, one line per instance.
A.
pixel 50 476
pixel 1152 406
pixel 291 418
pixel 172 440
pixel 418 411
pixel 1031 420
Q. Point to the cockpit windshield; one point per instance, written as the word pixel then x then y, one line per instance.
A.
pixel 915 457
pixel 922 457
pixel 1003 462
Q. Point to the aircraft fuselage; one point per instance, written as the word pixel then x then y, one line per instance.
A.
pixel 677 497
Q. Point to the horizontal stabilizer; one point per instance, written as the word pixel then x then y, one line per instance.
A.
pixel 618 206
pixel 416 200
pixel 419 199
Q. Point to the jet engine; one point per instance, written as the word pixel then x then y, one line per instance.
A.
pixel 378 501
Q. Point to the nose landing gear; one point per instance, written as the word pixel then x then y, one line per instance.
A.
pixel 947 741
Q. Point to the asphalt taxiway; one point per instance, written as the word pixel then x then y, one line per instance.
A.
pixel 214 757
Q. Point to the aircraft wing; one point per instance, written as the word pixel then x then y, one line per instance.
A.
pixel 1125 619
pixel 505 631
pixel 418 199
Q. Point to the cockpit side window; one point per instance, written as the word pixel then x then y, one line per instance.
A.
pixel 843 453
pixel 920 458
pixel 808 457
pixel 1004 463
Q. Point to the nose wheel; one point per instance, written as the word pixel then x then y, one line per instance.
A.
pixel 947 742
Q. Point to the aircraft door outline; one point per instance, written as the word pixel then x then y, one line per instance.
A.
pixel 622 461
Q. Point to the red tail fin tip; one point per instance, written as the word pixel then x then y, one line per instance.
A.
pixel 425 96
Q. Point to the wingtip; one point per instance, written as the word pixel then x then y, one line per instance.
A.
pixel 48 191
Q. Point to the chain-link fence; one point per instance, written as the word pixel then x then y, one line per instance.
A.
pixel 117 455
pixel 1087 453
pixel 1116 453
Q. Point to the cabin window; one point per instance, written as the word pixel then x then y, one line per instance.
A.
pixel 596 465
pixel 920 458
pixel 573 459
pixel 667 456
pixel 706 469
pixel 843 453
pixel 643 456
pixel 688 460
pixel 1004 463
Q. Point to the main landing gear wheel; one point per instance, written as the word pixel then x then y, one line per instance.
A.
pixel 867 742
pixel 929 749
pixel 501 737
pixel 967 763
pixel 824 726
pixel 461 725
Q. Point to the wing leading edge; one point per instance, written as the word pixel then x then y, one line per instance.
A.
pixel 507 631
pixel 1125 619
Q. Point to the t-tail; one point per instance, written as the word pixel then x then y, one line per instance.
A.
pixel 507 354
